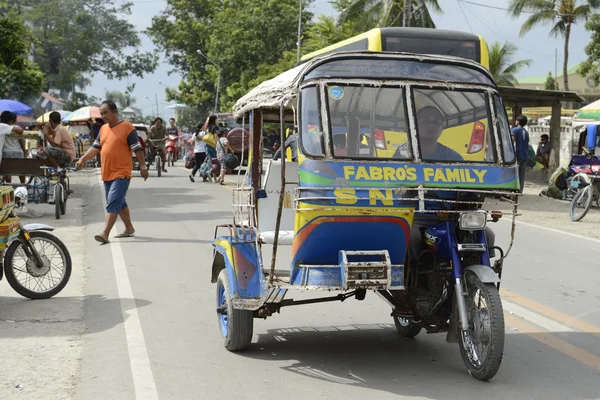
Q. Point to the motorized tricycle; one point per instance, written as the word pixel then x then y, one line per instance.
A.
pixel 381 199
pixel 36 263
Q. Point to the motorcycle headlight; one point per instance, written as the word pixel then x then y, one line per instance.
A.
pixel 472 221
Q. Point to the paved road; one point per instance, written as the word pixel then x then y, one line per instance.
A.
pixel 150 331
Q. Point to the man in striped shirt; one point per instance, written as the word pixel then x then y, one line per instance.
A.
pixel 117 140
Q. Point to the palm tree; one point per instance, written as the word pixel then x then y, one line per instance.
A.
pixel 561 14
pixel 368 14
pixel 501 66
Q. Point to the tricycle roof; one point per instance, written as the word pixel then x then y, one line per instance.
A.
pixel 369 66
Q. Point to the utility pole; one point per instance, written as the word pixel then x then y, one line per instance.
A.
pixel 156 98
pixel 299 28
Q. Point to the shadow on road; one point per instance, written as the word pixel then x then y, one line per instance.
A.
pixel 149 239
pixel 60 316
pixel 376 357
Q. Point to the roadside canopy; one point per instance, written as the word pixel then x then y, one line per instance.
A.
pixel 15 107
pixel 591 111
pixel 46 117
pixel 83 114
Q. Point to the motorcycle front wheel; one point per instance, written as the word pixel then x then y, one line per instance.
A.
pixel 30 279
pixel 482 345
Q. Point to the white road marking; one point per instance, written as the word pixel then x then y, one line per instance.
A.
pixel 539 320
pixel 553 230
pixel 143 379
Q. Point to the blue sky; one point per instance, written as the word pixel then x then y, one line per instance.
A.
pixel 492 24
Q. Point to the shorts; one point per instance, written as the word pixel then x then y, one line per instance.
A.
pixel 61 156
pixel 116 190
pixel 13 154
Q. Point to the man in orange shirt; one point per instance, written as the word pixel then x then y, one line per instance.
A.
pixel 117 139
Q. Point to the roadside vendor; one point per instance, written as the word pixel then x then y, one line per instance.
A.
pixel 543 152
pixel 159 132
pixel 61 148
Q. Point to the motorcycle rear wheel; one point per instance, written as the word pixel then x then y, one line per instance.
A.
pixel 406 328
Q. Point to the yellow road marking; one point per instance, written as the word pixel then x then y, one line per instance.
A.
pixel 556 343
pixel 550 312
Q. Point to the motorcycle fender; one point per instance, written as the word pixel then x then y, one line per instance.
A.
pixel 38 227
pixel 485 274
pixel 242 268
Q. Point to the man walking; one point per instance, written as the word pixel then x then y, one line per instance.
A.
pixel 117 139
pixel 520 138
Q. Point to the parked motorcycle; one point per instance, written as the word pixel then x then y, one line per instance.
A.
pixel 37 264
pixel 172 147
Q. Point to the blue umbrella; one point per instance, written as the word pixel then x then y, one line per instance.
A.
pixel 15 106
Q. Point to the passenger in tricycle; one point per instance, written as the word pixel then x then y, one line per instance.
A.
pixel 61 149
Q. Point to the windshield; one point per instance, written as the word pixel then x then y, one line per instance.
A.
pixel 366 122
pixel 453 125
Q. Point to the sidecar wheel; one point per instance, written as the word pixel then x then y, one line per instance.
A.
pixel 482 346
pixel 236 326
pixel 406 328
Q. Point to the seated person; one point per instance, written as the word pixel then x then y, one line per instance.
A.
pixel 13 147
pixel 543 152
pixel 430 125
pixel 60 151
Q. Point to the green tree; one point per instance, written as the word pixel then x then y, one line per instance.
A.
pixel 591 66
pixel 81 37
pixel 244 38
pixel 19 78
pixel 561 14
pixel 502 67
pixel 368 14
pixel 550 83
pixel 123 99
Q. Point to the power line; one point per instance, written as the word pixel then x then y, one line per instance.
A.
pixel 464 15
pixel 508 9
pixel 494 7
pixel 501 35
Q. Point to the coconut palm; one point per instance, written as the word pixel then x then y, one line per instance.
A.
pixel 502 68
pixel 369 14
pixel 561 14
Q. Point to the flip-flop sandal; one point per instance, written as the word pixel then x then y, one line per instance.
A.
pixel 101 239
pixel 124 235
